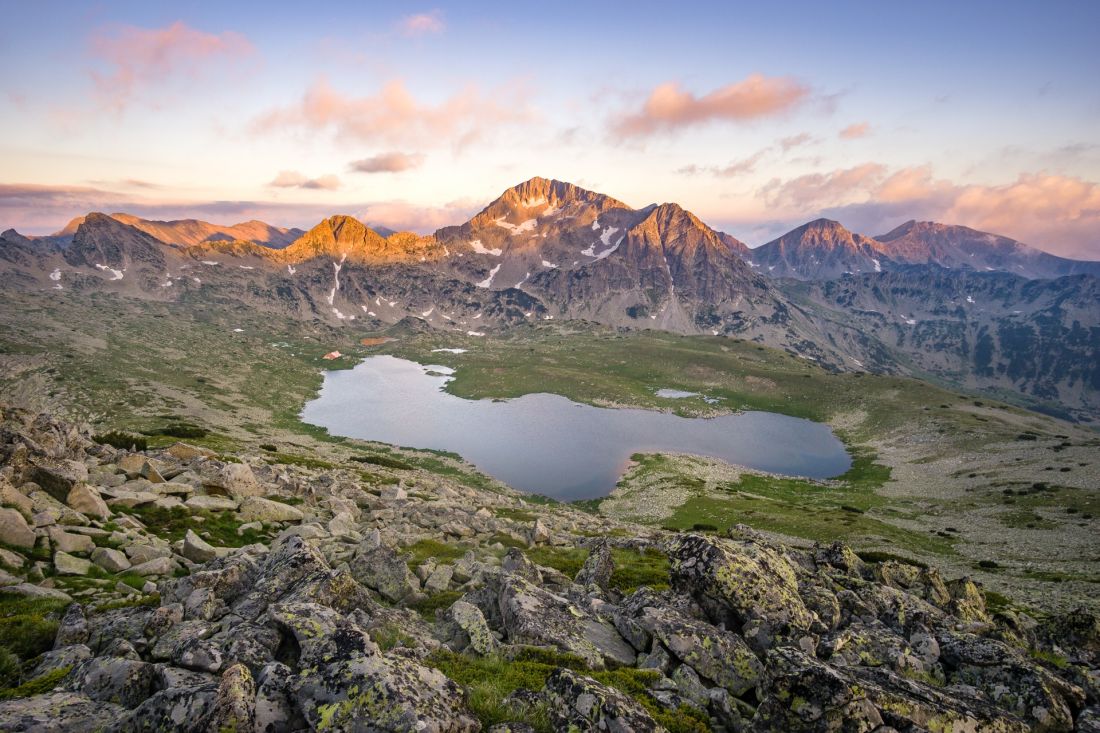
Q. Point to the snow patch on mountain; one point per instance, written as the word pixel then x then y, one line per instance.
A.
pixel 488 282
pixel 115 274
pixel 481 249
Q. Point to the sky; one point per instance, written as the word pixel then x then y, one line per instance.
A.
pixel 414 116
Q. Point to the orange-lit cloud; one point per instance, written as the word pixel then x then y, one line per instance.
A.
pixel 1057 213
pixel 822 189
pixel 138 58
pixel 294 179
pixel 394 116
pixel 422 24
pixel 387 163
pixel 670 107
pixel 855 130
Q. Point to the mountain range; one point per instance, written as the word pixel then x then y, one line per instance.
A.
pixel 933 300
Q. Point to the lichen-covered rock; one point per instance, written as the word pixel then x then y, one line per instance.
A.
pixel 322 635
pixel 235 703
pixel 463 628
pixel 534 615
pixel 392 693
pixel 803 694
pixel 125 682
pixel 57 712
pixel 737 581
pixel 598 567
pixel 239 481
pixel 579 703
pixel 382 569
pixel 719 656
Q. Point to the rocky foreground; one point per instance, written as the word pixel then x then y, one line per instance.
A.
pixel 177 589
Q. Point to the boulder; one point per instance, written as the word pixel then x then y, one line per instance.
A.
pixel 110 559
pixel 57 476
pixel 258 509
pixel 85 499
pixel 463 628
pixel 187 452
pixel 14 530
pixel 239 481
pixel 738 581
pixel 57 712
pixel 29 590
pixel 598 567
pixel 156 566
pixel 719 656
pixel 581 703
pixel 66 564
pixel 382 569
pixel 69 542
pixel 393 693
pixel 202 502
pixel 196 549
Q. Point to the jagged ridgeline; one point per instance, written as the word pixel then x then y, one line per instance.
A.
pixel 936 301
pixel 181 589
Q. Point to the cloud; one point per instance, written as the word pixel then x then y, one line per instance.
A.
pixel 38 209
pixel 422 24
pixel 138 58
pixel 669 107
pixel 294 179
pixel 855 130
pixel 387 163
pixel 1057 213
pixel 788 143
pixel 394 116
pixel 821 189
pixel 733 169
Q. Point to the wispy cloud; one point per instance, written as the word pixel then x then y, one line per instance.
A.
pixel 294 179
pixel 789 143
pixel 394 162
pixel 396 117
pixel 422 24
pixel 138 58
pixel 669 107
pixel 731 170
pixel 855 130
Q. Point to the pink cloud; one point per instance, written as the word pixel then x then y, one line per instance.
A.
pixel 142 57
pixel 294 179
pixel 387 163
pixel 822 189
pixel 1057 213
pixel 670 107
pixel 422 24
pixel 394 116
pixel 855 131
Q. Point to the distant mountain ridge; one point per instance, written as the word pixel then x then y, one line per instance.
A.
pixel 550 250
pixel 188 232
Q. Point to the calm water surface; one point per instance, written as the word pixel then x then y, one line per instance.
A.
pixel 548 444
